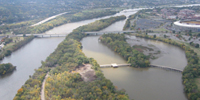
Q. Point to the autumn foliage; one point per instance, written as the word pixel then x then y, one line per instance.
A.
pixel 117 43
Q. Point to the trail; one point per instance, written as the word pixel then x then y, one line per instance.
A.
pixel 43 87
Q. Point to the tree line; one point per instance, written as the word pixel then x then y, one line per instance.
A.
pixel 117 42
pixel 190 72
pixel 65 59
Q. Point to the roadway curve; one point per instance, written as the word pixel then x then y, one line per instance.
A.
pixel 47 19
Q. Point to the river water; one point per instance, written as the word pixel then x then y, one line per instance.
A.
pixel 170 55
pixel 26 59
pixel 140 84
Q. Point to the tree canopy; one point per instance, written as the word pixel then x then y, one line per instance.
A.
pixel 117 43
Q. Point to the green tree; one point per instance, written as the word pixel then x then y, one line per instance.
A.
pixel 154 36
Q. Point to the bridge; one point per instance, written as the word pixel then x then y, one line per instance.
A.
pixel 107 32
pixel 166 67
pixel 151 65
pixel 41 35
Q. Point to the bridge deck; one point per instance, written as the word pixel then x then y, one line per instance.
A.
pixel 151 65
pixel 41 35
pixel 166 67
pixel 105 32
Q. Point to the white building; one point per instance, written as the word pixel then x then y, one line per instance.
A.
pixel 184 26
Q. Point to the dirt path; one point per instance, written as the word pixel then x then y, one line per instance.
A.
pixel 43 87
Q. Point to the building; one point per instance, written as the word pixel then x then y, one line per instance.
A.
pixel 114 65
pixel 187 25
pixel 173 17
pixel 186 13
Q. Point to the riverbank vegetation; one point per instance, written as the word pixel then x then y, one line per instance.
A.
pixel 128 22
pixel 64 60
pixel 6 68
pixel 95 26
pixel 190 72
pixel 13 44
pixel 196 45
pixel 134 18
pixel 67 18
pixel 7 27
pixel 117 42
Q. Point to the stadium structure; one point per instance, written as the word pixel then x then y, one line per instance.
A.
pixel 187 25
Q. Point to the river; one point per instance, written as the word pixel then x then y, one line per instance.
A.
pixel 26 59
pixel 140 84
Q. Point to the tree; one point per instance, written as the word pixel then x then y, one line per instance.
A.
pixel 190 31
pixel 197 45
pixel 154 36
pixel 165 36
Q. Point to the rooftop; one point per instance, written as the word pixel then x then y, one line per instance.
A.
pixel 178 23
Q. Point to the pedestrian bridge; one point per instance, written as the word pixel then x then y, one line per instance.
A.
pixel 107 32
pixel 114 65
pixel 166 67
